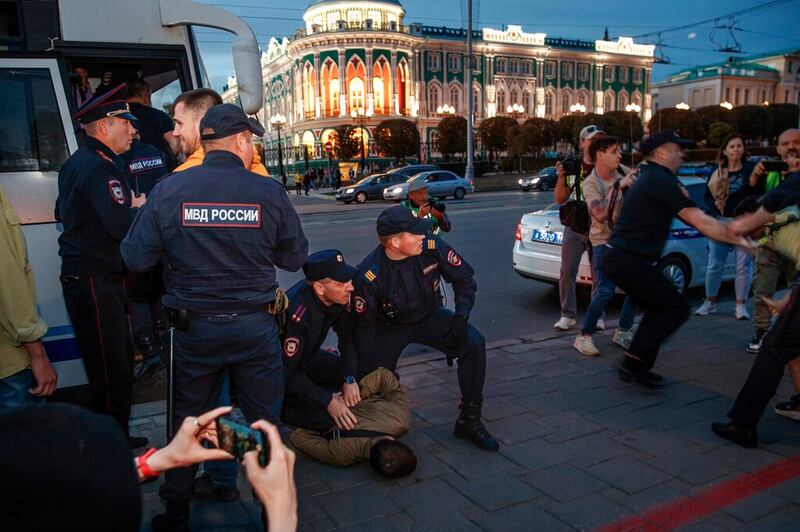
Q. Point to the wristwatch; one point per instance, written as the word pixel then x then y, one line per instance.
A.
pixel 349 380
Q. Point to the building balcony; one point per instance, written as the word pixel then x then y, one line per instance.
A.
pixel 343 26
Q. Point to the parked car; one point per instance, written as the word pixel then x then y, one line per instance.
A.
pixel 544 180
pixel 369 188
pixel 441 183
pixel 413 169
pixel 537 249
pixel 703 170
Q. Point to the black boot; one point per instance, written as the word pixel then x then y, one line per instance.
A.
pixel 741 435
pixel 469 426
pixel 176 518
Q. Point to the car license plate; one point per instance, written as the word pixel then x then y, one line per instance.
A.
pixel 549 237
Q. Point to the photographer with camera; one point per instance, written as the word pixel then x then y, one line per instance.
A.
pixel 574 215
pixel 424 206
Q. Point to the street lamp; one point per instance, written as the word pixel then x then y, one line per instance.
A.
pixel 683 106
pixel 577 108
pixel 360 115
pixel 278 121
pixel 445 110
pixel 633 109
pixel 726 105
pixel 515 110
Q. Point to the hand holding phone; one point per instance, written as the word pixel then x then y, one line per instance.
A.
pixel 238 439
pixel 775 166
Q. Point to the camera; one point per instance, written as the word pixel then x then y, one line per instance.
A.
pixel 437 205
pixel 571 165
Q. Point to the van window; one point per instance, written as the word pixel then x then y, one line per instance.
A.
pixel 32 135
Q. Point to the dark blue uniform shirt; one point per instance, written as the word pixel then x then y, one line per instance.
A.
pixel 94 206
pixel 223 230
pixel 145 164
pixel 307 324
pixel 411 288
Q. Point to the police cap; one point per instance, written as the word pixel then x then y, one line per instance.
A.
pixel 111 103
pixel 399 219
pixel 225 120
pixel 664 136
pixel 328 264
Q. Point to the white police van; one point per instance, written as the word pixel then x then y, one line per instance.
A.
pixel 39 48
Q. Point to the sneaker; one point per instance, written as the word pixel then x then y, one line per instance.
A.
pixel 790 408
pixel 585 344
pixel 601 325
pixel 741 312
pixel 755 343
pixel 623 338
pixel 706 308
pixel 564 324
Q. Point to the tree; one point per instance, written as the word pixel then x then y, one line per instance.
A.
pixel 346 142
pixel 685 122
pixel 784 116
pixel 494 134
pixel 565 128
pixel 753 122
pixel 711 114
pixel 397 138
pixel 532 136
pixel 452 136
pixel 623 125
pixel 581 121
pixel 717 133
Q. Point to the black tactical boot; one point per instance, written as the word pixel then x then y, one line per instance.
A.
pixel 469 426
pixel 176 518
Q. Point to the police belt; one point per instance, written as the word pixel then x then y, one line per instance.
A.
pixel 336 433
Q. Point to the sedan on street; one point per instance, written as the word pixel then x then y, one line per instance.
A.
pixel 544 180
pixel 369 188
pixel 441 184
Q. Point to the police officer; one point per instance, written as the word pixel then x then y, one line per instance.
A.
pixel 96 208
pixel 398 301
pixel 223 230
pixel 424 206
pixel 320 384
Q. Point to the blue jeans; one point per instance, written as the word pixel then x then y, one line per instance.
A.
pixel 717 256
pixel 14 390
pixel 604 294
pixel 223 472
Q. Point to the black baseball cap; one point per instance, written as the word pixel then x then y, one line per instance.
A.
pixel 328 264
pixel 111 103
pixel 225 120
pixel 646 146
pixel 399 219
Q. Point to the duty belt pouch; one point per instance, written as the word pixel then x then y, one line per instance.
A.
pixel 178 318
pixel 574 213
pixel 278 308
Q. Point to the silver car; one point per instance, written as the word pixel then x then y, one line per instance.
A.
pixel 441 183
pixel 537 249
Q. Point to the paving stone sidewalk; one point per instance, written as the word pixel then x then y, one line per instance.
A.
pixel 579 448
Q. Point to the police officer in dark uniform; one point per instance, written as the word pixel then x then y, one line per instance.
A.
pixel 320 384
pixel 96 208
pixel 223 230
pixel 398 301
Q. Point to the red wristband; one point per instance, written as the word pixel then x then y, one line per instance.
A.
pixel 141 464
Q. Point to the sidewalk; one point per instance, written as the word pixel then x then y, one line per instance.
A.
pixel 579 449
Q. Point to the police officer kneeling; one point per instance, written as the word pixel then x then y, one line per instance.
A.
pixel 398 301
pixel 223 230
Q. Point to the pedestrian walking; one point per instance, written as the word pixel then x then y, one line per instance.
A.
pixel 298 182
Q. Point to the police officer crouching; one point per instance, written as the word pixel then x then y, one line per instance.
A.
pixel 320 384
pixel 398 301
pixel 223 230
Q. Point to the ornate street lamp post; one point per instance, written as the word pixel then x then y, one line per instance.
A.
pixel 278 121
pixel 360 116
pixel 633 109
pixel 515 110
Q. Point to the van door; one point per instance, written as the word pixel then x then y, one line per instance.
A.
pixel 36 137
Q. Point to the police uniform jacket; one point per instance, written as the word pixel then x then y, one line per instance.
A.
pixel 94 206
pixel 223 230
pixel 409 289
pixel 145 164
pixel 307 325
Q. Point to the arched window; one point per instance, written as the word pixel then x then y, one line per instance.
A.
pixel 622 101
pixel 637 98
pixel 549 99
pixel 501 101
pixel 434 99
pixel 309 96
pixel 513 97
pixel 526 100
pixel 608 102
pixel 403 87
pixel 356 87
pixel 566 101
pixel 382 86
pixel 455 97
pixel 583 98
pixel 476 101
pixel 330 88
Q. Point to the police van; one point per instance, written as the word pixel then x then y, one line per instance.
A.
pixel 39 50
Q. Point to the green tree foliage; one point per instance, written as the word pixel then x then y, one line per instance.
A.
pixel 397 138
pixel 581 121
pixel 685 122
pixel 752 121
pixel 452 136
pixel 717 133
pixel 784 116
pixel 565 128
pixel 494 134
pixel 532 136
pixel 346 142
pixel 711 114
pixel 621 123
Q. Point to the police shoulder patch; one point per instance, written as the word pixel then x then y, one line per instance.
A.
pixel 431 243
pixel 360 304
pixel 291 346
pixel 116 190
pixel 453 258
pixel 369 276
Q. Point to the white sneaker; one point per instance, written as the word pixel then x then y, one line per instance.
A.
pixel 585 344
pixel 706 308
pixel 564 324
pixel 623 338
pixel 741 312
pixel 601 325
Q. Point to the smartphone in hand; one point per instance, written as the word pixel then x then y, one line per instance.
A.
pixel 238 439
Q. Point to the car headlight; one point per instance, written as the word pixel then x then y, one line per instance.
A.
pixel 397 190
pixel 520 181
pixel 535 180
pixel 349 191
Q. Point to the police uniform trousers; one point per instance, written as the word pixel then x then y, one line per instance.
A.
pixel 391 338
pixel 146 314
pixel 96 307
pixel 781 345
pixel 665 310
pixel 247 345
pixel 324 370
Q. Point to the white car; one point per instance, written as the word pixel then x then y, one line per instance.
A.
pixel 537 249
pixel 441 184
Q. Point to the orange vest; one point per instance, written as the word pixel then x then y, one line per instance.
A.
pixel 196 159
